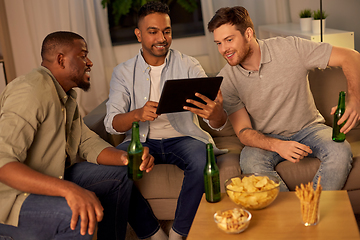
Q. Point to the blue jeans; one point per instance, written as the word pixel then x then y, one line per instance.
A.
pixel 189 155
pixel 335 157
pixel 47 217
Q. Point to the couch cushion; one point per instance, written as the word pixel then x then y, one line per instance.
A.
pixel 229 166
pixel 353 182
pixel 304 171
pixel 295 173
pixel 164 181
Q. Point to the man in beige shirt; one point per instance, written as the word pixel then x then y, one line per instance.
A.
pixel 44 192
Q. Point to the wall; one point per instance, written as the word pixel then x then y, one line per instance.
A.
pixel 343 15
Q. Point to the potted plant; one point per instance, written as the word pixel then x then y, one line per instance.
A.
pixel 124 7
pixel 316 22
pixel 305 20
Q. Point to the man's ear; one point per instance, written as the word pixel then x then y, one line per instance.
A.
pixel 249 33
pixel 60 60
pixel 138 34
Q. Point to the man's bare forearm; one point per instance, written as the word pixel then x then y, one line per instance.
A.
pixel 253 138
pixel 112 156
pixel 123 121
pixel 19 176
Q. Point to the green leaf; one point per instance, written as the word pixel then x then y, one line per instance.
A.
pixel 123 7
pixel 306 13
pixel 104 3
pixel 317 15
pixel 120 8
pixel 188 5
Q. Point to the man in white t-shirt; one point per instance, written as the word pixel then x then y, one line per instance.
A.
pixel 269 102
pixel 174 138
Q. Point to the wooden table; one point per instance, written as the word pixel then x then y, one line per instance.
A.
pixel 281 220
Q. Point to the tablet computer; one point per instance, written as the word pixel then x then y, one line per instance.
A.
pixel 175 92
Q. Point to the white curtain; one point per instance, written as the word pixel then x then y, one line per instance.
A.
pixel 30 21
pixel 262 12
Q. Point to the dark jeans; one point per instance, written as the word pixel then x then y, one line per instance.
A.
pixel 46 217
pixel 189 155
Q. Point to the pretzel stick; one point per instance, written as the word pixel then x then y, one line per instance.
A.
pixel 309 201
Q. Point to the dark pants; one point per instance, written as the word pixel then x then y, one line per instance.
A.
pixel 46 217
pixel 189 155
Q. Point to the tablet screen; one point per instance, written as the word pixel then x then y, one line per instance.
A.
pixel 175 92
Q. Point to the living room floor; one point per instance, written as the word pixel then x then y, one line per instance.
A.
pixel 164 224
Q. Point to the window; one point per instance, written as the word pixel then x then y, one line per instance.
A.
pixel 183 23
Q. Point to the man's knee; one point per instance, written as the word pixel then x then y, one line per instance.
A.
pixel 339 152
pixel 256 160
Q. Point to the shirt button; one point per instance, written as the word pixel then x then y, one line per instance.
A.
pixel 60 177
pixel 260 76
pixel 147 79
pixel 143 135
pixel 145 98
pixel 26 194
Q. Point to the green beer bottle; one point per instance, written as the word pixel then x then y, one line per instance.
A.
pixel 337 136
pixel 211 176
pixel 135 151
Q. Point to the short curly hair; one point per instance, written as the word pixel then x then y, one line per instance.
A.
pixel 152 7
pixel 56 39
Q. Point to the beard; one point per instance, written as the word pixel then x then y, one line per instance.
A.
pixel 241 57
pixel 81 79
pixel 84 85
pixel 81 83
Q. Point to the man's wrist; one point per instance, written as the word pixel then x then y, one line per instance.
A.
pixel 217 125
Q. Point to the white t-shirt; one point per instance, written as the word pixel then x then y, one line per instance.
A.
pixel 160 128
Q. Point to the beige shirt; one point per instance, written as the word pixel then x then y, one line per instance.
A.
pixel 40 126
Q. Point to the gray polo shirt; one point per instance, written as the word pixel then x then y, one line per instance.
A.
pixel 277 97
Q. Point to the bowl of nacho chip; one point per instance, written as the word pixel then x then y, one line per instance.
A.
pixel 234 220
pixel 253 191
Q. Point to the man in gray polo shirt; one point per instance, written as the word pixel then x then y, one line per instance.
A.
pixel 269 102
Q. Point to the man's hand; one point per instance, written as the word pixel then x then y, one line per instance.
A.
pixel 82 202
pixel 351 116
pixel 116 157
pixel 86 205
pixel 212 110
pixel 147 161
pixel 147 112
pixel 291 150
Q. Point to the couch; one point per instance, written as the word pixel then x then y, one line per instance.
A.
pixel 162 185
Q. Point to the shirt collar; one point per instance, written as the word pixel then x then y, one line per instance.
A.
pixel 265 58
pixel 265 53
pixel 146 67
pixel 63 96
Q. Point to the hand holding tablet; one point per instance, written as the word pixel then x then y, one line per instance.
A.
pixel 176 92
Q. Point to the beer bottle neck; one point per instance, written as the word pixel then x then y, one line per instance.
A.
pixel 341 103
pixel 210 154
pixel 135 132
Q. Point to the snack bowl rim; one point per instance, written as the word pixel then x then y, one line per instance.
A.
pixel 246 222
pixel 250 207
pixel 250 174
